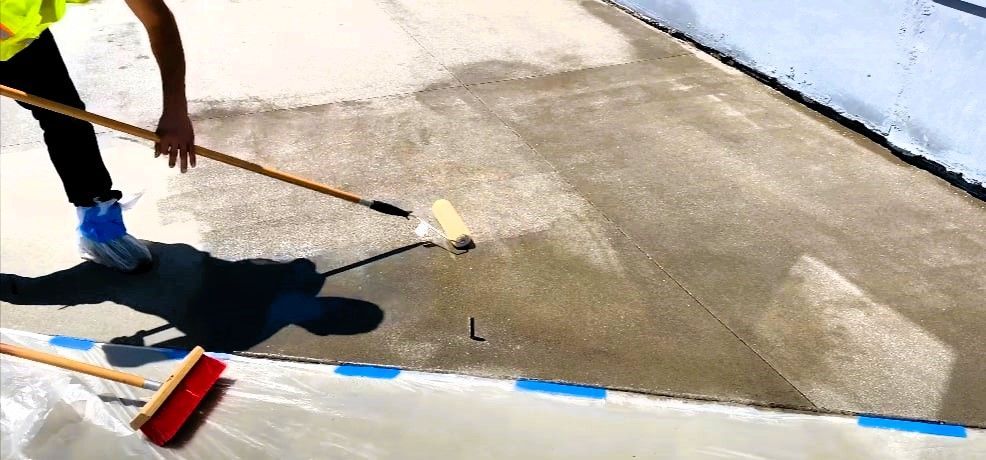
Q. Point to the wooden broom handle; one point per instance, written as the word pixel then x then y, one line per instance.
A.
pixel 80 114
pixel 78 366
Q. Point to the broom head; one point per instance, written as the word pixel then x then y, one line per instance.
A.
pixel 179 395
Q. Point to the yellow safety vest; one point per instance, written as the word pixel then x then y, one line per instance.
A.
pixel 22 21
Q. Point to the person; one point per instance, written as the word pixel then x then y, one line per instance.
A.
pixel 30 61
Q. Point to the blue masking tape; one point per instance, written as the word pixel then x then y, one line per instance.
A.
pixel 173 353
pixel 561 389
pixel 373 372
pixel 940 429
pixel 70 342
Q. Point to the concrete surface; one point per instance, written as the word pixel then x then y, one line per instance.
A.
pixel 908 69
pixel 645 218
pixel 827 265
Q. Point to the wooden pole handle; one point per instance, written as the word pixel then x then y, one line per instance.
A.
pixel 80 114
pixel 78 366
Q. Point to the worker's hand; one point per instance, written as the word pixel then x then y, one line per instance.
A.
pixel 176 139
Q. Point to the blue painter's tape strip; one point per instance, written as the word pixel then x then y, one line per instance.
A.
pixel 373 372
pixel 71 342
pixel 561 389
pixel 940 429
pixel 173 353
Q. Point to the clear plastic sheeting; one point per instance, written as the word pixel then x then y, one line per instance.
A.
pixel 279 409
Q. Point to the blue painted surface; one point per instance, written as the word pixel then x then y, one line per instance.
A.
pixel 561 389
pixel 910 70
pixel 373 372
pixel 917 427
pixel 71 342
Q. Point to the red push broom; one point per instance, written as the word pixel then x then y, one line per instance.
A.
pixel 174 399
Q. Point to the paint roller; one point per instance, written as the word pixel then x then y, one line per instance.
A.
pixel 453 228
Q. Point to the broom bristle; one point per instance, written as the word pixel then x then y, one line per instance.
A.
pixel 165 423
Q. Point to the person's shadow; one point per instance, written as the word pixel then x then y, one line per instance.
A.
pixel 217 304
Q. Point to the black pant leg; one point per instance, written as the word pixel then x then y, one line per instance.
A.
pixel 40 70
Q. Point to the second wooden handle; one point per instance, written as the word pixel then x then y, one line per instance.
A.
pixel 80 114
pixel 70 364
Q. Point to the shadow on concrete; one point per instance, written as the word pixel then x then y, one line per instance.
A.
pixel 218 304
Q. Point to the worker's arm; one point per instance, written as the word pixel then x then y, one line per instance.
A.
pixel 177 138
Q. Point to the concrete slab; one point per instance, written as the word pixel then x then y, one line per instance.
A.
pixel 486 41
pixel 858 277
pixel 242 57
pixel 557 291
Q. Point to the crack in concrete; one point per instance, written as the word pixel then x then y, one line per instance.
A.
pixel 583 69
pixel 41 141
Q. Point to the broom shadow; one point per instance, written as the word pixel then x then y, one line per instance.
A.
pixel 218 304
